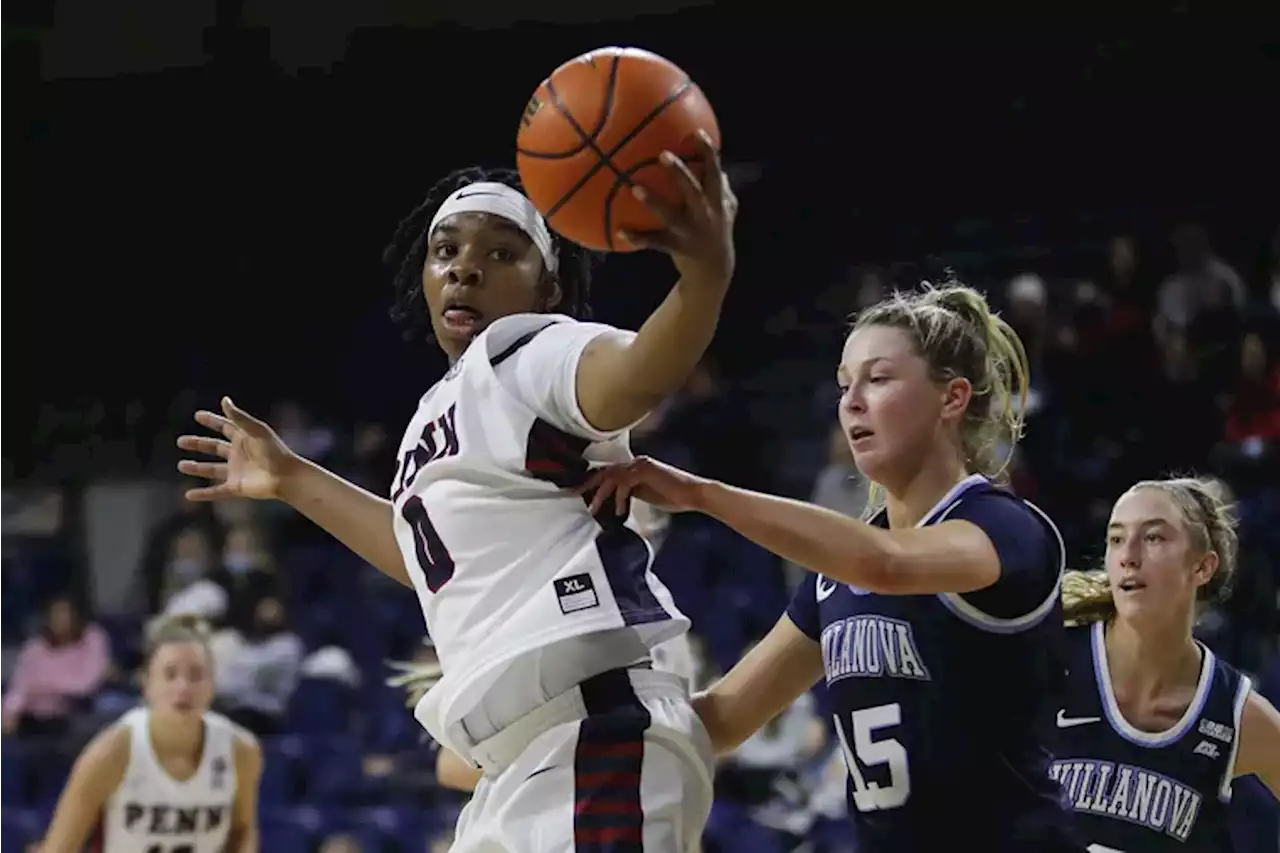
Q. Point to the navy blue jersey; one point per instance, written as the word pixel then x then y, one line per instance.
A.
pixel 944 704
pixel 1146 792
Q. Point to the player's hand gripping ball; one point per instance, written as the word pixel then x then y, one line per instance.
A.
pixel 605 125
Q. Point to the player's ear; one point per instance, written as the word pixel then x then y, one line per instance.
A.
pixel 549 292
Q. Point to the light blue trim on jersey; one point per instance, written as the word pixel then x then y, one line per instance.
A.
pixel 1237 714
pixel 1111 708
pixel 961 607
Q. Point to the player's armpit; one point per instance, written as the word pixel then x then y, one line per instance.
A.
pixel 953 556
pixel 618 382
pixel 244 818
pixel 454 773
pixel 97 773
pixel 1259 750
pixel 761 686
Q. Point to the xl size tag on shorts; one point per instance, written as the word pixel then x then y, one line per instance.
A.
pixel 575 593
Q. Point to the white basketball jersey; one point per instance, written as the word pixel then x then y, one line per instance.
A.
pixel 153 813
pixel 505 558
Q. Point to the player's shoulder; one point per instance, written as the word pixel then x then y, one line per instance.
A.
pixel 238 734
pixel 995 505
pixel 514 330
pixel 110 749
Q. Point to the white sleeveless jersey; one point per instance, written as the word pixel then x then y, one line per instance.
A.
pixel 152 813
pixel 504 557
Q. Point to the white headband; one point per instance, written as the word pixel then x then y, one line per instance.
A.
pixel 501 200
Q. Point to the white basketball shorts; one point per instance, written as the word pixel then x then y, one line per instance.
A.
pixel 618 764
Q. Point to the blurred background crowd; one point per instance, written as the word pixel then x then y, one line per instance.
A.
pixel 214 209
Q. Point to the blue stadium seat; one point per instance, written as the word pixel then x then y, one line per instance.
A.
pixel 279 786
pixel 282 831
pixel 320 706
pixel 13 783
pixel 19 827
pixel 334 770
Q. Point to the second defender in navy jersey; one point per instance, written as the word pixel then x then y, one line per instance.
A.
pixel 1135 790
pixel 1154 726
pixel 937 625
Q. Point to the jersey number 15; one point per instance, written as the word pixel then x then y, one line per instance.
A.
pixel 862 750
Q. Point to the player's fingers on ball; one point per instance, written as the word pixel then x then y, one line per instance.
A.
pixel 663 241
pixel 667 215
pixel 691 191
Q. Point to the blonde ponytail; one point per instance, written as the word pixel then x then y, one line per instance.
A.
pixel 1086 597
pixel 416 677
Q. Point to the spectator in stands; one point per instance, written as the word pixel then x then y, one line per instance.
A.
pixel 1205 298
pixel 185 583
pixel 247 573
pixel 157 561
pixel 57 672
pixel 257 669
pixel 1253 412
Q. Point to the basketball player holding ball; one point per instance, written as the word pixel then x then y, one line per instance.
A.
pixel 542 613
pixel 170 777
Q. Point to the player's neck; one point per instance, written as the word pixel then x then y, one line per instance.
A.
pixel 1152 657
pixel 178 736
pixel 937 475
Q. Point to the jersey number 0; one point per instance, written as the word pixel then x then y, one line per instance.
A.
pixel 862 749
pixel 433 557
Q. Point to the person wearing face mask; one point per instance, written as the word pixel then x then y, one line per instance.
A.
pixel 1155 727
pixel 188 584
pixel 258 668
pixel 247 573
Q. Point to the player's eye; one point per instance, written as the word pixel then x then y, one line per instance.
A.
pixel 1114 539
pixel 879 380
pixel 503 255
pixel 1155 537
pixel 444 250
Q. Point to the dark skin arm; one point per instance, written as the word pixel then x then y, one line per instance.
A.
pixel 619 383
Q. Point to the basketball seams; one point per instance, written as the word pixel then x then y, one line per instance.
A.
pixel 610 94
pixel 623 177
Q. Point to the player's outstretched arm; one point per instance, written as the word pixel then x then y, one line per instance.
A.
pixel 96 774
pixel 1259 749
pixel 953 556
pixel 618 383
pixel 253 462
pixel 774 674
pixel 454 773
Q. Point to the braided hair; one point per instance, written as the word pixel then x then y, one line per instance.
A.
pixel 406 254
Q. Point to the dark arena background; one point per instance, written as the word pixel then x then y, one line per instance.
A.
pixel 198 196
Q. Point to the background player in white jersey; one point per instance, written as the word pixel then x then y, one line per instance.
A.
pixel 542 614
pixel 169 777
pixel 1154 727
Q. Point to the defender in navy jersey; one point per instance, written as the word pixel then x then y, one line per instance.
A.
pixel 1154 726
pixel 937 625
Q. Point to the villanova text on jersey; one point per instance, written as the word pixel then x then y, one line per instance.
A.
pixel 1134 790
pixel 944 703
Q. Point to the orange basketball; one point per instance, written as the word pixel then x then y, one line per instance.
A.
pixel 596 126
